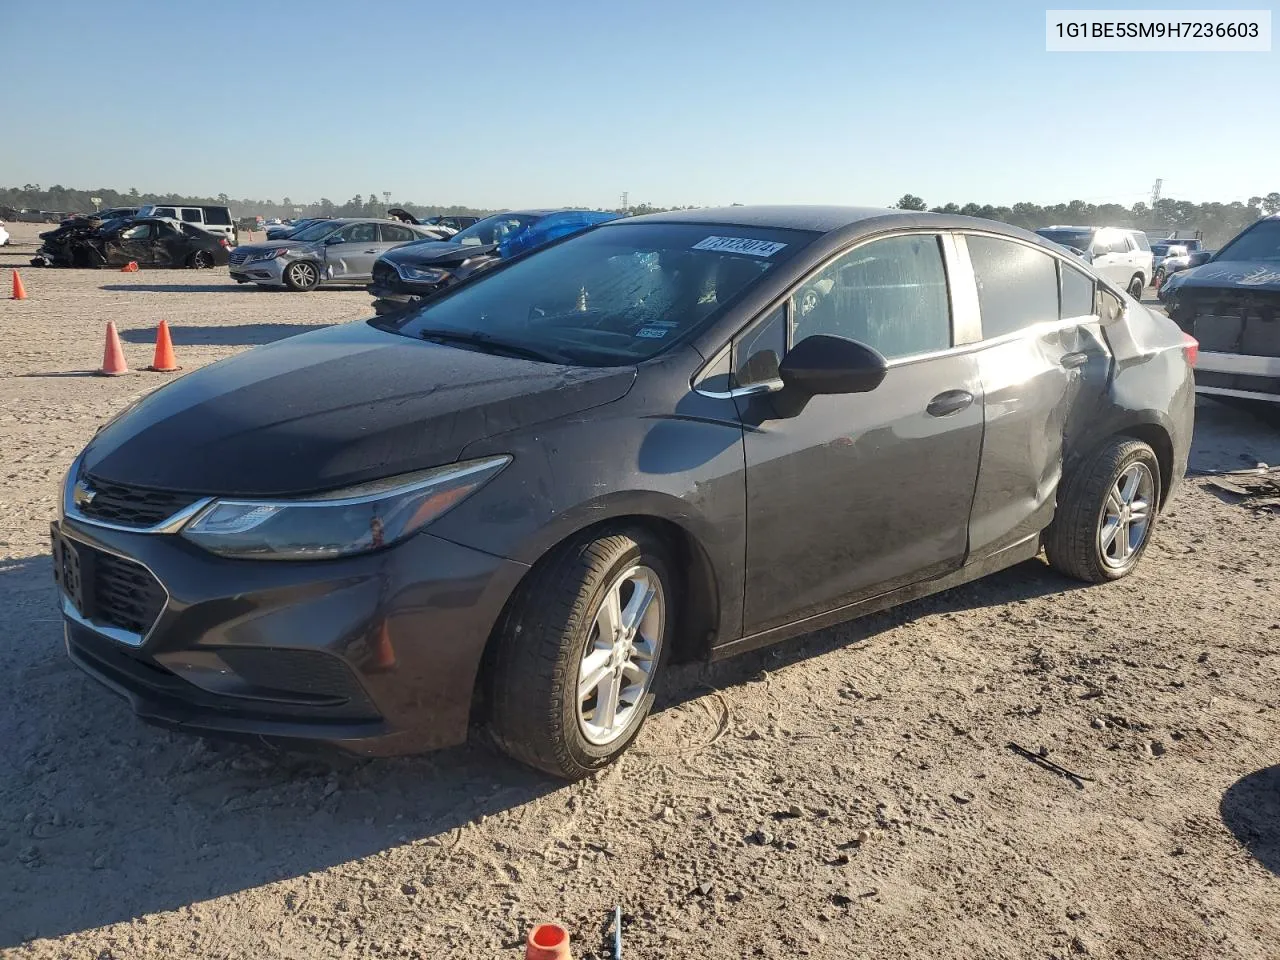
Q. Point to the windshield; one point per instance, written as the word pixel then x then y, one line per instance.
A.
pixel 317 231
pixel 494 229
pixel 611 296
pixel 1068 238
pixel 1260 242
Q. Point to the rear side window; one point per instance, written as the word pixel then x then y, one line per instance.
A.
pixel 890 294
pixel 1119 244
pixel 192 215
pixel 1141 240
pixel 219 216
pixel 393 234
pixel 165 212
pixel 1077 293
pixel 1017 285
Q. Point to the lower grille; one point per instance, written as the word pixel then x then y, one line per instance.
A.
pixel 1231 322
pixel 239 257
pixel 121 593
pixel 131 506
pixel 303 673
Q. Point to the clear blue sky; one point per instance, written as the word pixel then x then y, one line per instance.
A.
pixel 503 103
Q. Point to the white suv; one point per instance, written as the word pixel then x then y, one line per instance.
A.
pixel 1121 256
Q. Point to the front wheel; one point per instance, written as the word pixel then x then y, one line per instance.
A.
pixel 1106 511
pixel 301 275
pixel 572 669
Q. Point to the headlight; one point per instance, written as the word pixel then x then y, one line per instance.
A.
pixel 429 275
pixel 339 523
pixel 269 254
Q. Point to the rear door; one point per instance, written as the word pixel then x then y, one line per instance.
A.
pixel 1044 369
pixel 393 235
pixel 851 496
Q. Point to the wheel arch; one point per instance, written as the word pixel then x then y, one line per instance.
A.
pixel 698 619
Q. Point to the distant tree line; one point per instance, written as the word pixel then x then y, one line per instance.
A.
pixel 1218 222
pixel 62 199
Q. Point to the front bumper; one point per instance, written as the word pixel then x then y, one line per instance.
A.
pixel 261 271
pixel 375 655
pixel 1238 375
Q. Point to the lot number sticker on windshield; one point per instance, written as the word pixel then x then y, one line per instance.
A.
pixel 752 248
pixel 652 333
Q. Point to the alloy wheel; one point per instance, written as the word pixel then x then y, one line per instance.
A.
pixel 1126 516
pixel 202 260
pixel 621 654
pixel 303 273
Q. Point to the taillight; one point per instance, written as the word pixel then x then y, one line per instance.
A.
pixel 223 241
pixel 1191 348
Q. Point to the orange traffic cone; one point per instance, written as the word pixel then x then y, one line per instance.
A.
pixel 548 941
pixel 113 356
pixel 164 360
pixel 130 267
pixel 19 291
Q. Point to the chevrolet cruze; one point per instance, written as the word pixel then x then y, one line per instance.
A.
pixel 669 437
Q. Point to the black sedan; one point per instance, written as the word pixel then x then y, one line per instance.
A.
pixel 665 438
pixel 147 241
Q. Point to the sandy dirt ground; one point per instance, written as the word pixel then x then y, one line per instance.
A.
pixel 851 794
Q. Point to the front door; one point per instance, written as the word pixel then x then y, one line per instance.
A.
pixel 855 495
pixel 351 260
pixel 132 243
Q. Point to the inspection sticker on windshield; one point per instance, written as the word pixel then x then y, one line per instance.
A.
pixel 752 248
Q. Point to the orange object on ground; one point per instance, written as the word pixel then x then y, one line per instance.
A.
pixel 113 356
pixel 547 941
pixel 164 360
pixel 130 267
pixel 19 291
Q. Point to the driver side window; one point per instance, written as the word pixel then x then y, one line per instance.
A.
pixel 140 232
pixel 889 294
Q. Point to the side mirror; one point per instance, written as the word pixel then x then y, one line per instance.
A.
pixel 332 240
pixel 823 364
pixel 1098 250
pixel 1198 257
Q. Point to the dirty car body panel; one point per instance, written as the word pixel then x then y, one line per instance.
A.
pixel 628 374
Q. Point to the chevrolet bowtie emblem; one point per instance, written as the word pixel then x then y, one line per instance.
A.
pixel 82 495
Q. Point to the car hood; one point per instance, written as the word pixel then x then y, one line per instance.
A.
pixel 441 253
pixel 336 407
pixel 1230 274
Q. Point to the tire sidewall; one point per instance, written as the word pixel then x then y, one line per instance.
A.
pixel 294 285
pixel 1148 458
pixel 647 551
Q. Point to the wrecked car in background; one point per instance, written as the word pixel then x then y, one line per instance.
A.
pixel 408 274
pixel 338 251
pixel 148 241
pixel 1230 302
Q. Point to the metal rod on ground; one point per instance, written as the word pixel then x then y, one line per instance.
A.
pixel 617 933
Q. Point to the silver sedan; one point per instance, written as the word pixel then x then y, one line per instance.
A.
pixel 335 252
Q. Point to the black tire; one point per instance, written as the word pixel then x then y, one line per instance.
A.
pixel 1073 542
pixel 1159 276
pixel 533 663
pixel 1136 286
pixel 302 275
pixel 200 260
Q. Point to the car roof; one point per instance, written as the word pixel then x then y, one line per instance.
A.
pixel 848 221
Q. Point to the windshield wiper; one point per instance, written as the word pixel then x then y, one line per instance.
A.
pixel 491 344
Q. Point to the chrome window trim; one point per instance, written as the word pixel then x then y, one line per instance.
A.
pixel 126 637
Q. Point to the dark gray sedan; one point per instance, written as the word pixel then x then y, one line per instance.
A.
pixel 666 438
pixel 338 251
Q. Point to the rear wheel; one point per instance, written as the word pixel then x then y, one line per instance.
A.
pixel 200 260
pixel 571 673
pixel 1136 286
pixel 302 275
pixel 1106 511
pixel 1159 276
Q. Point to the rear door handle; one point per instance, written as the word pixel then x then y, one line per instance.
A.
pixel 1072 360
pixel 952 401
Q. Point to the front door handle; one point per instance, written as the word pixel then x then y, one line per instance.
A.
pixel 1073 360
pixel 952 401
